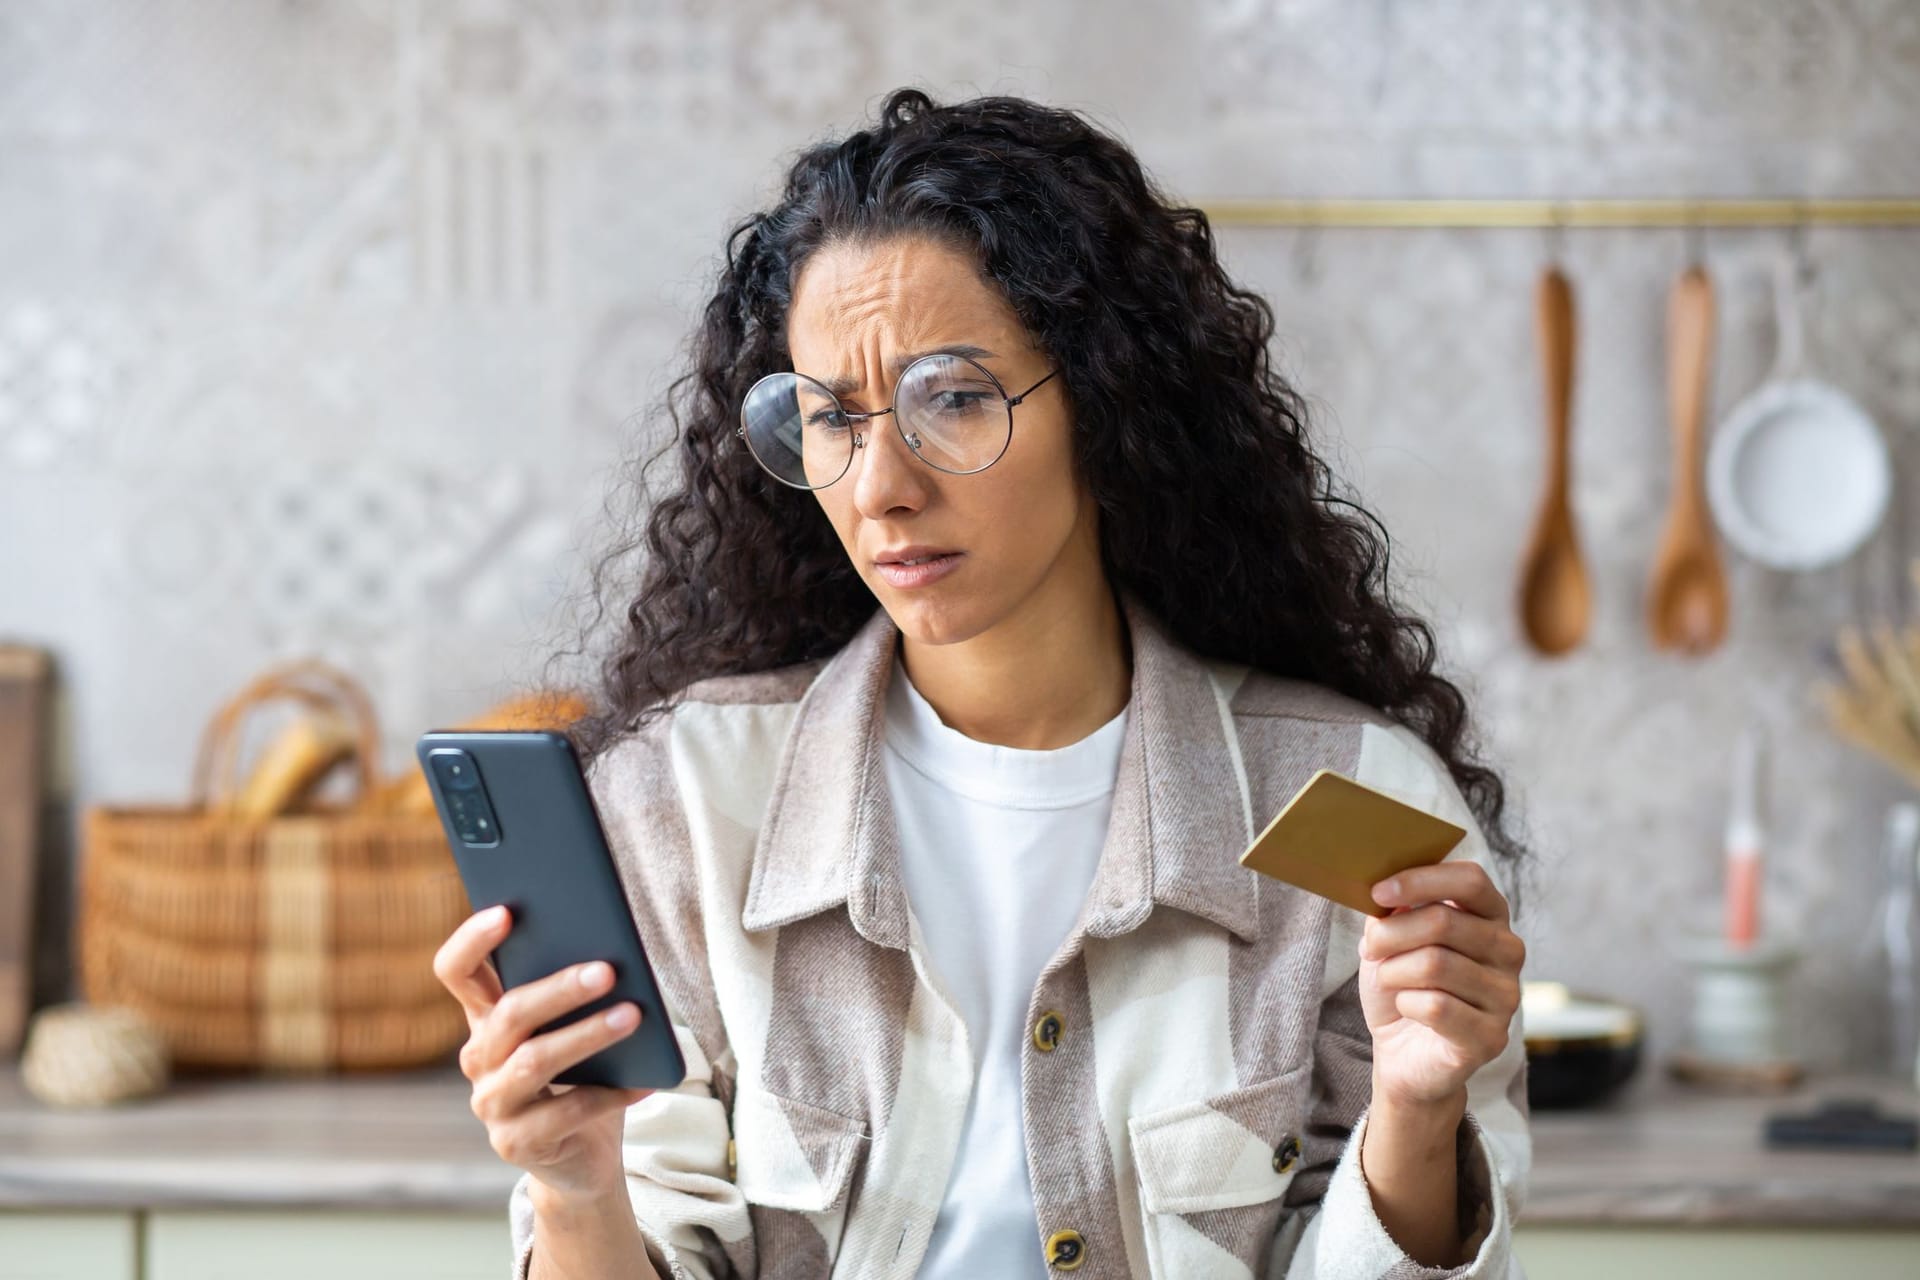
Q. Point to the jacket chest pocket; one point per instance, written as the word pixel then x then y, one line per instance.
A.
pixel 794 1164
pixel 1212 1173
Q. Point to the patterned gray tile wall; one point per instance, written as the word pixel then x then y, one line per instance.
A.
pixel 322 326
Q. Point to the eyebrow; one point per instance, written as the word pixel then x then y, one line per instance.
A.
pixel 842 384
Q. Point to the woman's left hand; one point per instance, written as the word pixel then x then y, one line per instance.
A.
pixel 1439 982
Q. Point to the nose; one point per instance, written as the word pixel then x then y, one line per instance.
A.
pixel 886 475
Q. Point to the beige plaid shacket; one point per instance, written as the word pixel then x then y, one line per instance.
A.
pixel 1199 1069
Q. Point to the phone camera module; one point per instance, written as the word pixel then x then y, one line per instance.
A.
pixel 467 808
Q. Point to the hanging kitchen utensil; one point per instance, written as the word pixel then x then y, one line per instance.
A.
pixel 1555 596
pixel 1799 476
pixel 1687 606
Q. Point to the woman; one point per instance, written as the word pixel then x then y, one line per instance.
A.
pixel 944 894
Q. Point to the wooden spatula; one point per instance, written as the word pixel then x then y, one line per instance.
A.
pixel 1687 604
pixel 1555 597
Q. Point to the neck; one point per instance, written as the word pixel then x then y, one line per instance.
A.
pixel 1045 676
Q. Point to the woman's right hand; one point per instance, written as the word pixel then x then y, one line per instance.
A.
pixel 567 1136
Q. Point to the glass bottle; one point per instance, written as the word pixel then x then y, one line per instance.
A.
pixel 1896 938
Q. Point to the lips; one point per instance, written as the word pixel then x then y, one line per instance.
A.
pixel 908 555
pixel 923 572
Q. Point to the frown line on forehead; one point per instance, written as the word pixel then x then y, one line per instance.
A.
pixel 841 384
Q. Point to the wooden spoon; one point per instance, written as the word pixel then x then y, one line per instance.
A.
pixel 1555 597
pixel 1687 605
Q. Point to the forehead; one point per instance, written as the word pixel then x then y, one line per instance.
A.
pixel 898 296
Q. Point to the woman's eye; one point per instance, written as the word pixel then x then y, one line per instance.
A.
pixel 827 419
pixel 959 401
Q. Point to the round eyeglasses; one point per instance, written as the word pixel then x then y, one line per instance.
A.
pixel 953 414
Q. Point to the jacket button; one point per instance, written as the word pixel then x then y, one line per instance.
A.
pixel 1285 1154
pixel 1046 1032
pixel 1065 1250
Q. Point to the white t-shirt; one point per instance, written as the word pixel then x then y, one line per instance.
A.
pixel 999 846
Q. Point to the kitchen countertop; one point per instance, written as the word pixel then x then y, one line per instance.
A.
pixel 1668 1154
pixel 1660 1154
pixel 393 1140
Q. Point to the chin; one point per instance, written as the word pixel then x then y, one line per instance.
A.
pixel 927 618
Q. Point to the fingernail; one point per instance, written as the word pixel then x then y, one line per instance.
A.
pixel 593 973
pixel 1386 891
pixel 624 1016
pixel 495 917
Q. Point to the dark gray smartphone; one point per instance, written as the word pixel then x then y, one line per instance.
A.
pixel 520 821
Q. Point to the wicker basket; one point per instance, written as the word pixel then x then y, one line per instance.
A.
pixel 301 941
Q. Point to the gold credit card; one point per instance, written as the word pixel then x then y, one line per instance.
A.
pixel 1338 838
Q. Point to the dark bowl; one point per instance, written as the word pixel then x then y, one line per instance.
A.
pixel 1581 1048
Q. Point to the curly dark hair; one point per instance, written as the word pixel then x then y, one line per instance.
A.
pixel 1213 505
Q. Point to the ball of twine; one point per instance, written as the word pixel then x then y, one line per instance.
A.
pixel 84 1055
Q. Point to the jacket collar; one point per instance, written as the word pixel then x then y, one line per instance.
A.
pixel 1179 820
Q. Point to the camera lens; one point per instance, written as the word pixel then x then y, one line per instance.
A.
pixel 457 771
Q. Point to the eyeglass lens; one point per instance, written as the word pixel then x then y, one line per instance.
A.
pixel 949 409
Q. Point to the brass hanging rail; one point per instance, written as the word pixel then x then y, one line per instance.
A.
pixel 1562 213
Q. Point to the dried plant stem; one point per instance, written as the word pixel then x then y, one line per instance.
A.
pixel 1877 706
